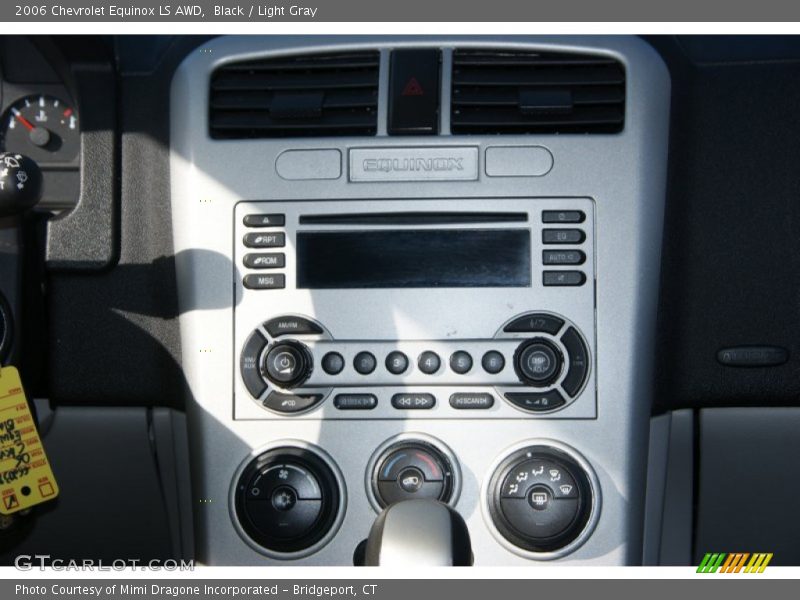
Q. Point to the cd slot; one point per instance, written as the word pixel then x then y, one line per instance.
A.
pixel 415 218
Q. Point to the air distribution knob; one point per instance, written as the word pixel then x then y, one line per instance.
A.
pixel 20 184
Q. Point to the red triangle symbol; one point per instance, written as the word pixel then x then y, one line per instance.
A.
pixel 413 88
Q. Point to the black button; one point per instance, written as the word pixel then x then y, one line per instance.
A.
pixel 414 92
pixel 563 216
pixel 563 236
pixel 461 362
pixel 539 497
pixel 284 498
pixel 534 324
pixel 364 363
pixel 269 260
pixel 563 257
pixel 410 480
pixel 563 278
pixel 753 356
pixel 332 363
pixel 539 524
pixel 396 362
pixel 257 281
pixel 264 220
pixel 355 401
pixel 248 364
pixel 429 362
pixel 291 403
pixel 493 362
pixel 578 362
pixel 291 325
pixel 537 362
pixel 259 239
pixel 467 400
pixel 536 401
pixel 413 401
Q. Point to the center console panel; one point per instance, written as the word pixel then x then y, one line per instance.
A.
pixel 385 309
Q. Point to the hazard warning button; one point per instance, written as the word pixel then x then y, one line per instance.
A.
pixel 414 92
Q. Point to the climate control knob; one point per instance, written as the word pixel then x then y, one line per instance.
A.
pixel 288 500
pixel 287 364
pixel 412 469
pixel 538 362
pixel 541 499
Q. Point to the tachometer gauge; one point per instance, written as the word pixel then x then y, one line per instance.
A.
pixel 43 128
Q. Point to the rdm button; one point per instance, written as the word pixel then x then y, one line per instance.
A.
pixel 414 92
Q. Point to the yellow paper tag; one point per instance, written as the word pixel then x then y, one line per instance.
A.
pixel 25 475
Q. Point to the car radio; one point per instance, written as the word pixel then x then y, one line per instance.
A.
pixel 480 308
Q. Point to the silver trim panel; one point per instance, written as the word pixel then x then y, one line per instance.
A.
pixel 624 174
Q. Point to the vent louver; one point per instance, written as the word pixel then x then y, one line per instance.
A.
pixel 517 92
pixel 296 96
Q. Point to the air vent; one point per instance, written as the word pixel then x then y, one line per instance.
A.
pixel 296 96
pixel 499 91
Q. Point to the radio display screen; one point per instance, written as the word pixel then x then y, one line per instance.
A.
pixel 427 258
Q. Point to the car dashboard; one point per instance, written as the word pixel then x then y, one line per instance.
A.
pixel 278 284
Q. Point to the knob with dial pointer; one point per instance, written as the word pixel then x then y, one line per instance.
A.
pixel 20 184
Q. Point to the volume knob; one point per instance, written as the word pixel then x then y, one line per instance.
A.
pixel 287 364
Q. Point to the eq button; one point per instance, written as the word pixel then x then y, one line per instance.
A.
pixel 563 236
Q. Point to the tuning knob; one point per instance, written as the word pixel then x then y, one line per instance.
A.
pixel 20 184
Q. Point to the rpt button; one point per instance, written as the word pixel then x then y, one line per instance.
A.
pixel 262 239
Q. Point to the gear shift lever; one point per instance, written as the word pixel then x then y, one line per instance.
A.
pixel 418 533
pixel 20 184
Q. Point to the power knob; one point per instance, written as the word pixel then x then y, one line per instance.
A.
pixel 287 364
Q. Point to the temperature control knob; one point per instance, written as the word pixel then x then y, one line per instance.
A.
pixel 20 184
pixel 412 469
pixel 287 364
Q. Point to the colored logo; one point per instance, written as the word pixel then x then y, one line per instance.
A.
pixel 737 562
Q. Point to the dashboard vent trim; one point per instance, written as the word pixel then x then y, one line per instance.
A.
pixel 319 95
pixel 522 92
